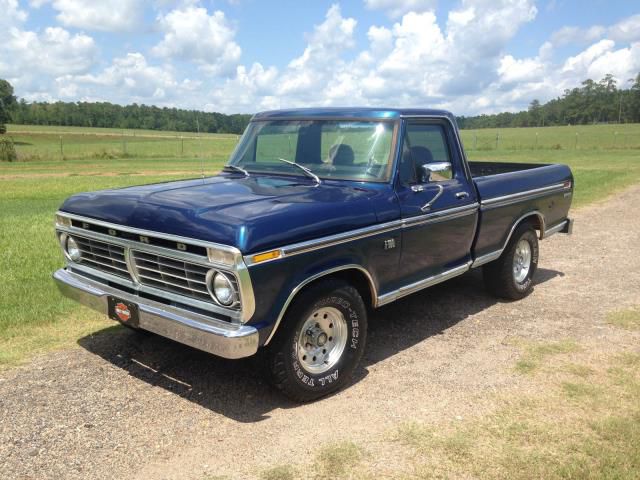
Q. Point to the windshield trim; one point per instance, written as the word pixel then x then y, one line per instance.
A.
pixel 392 150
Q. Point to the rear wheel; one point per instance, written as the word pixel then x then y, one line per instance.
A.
pixel 511 275
pixel 320 342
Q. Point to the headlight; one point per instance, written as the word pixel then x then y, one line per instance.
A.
pixel 73 250
pixel 222 289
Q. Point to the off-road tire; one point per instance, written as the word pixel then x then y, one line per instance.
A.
pixel 499 277
pixel 285 370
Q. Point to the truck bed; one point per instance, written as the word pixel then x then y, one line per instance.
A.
pixel 507 191
pixel 483 169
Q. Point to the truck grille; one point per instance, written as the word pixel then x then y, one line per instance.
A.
pixel 103 256
pixel 173 275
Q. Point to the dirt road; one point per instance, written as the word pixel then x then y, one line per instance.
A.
pixel 122 406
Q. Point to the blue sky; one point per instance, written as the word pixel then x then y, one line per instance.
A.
pixel 470 56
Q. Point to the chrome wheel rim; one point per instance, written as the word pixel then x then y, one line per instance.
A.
pixel 522 261
pixel 322 340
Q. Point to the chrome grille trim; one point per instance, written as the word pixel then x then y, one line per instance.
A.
pixel 183 278
pixel 240 311
pixel 110 259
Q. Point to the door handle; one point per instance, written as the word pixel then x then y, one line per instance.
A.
pixel 461 195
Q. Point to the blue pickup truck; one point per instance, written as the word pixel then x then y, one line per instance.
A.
pixel 319 216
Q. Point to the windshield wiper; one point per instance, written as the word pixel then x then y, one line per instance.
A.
pixel 236 169
pixel 307 172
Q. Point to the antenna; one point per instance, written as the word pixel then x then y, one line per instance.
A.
pixel 200 148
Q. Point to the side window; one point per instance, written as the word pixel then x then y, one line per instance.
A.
pixel 425 144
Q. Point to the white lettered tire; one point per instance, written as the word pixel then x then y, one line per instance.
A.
pixel 320 342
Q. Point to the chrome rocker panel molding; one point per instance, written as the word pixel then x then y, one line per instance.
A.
pixel 239 269
pixel 198 331
pixel 422 284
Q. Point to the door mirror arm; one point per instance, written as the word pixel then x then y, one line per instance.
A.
pixel 427 206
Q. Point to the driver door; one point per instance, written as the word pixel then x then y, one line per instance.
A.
pixel 439 207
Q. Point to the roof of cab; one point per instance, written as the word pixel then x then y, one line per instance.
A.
pixel 351 112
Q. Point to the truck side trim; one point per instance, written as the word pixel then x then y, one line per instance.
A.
pixel 491 256
pixel 332 240
pixel 324 273
pixel 422 284
pixel 522 196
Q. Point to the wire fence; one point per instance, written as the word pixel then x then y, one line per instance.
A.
pixel 50 144
pixel 553 138
pixel 64 145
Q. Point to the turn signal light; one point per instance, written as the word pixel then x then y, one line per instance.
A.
pixel 261 257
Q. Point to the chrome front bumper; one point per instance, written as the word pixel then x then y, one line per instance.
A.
pixel 198 331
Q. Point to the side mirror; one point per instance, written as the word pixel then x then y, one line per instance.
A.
pixel 436 171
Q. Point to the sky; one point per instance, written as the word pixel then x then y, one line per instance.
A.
pixel 244 56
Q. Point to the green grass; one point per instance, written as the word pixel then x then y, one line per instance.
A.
pixel 340 460
pixel 628 319
pixel 536 353
pixel 34 143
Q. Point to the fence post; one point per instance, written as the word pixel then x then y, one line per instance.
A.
pixel 576 144
pixel 497 138
pixel 61 149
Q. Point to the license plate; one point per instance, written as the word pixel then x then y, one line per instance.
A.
pixel 122 311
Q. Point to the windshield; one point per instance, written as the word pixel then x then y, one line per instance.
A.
pixel 345 150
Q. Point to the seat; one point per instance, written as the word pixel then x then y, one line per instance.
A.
pixel 342 154
pixel 421 156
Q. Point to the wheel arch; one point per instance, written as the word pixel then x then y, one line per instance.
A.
pixel 534 217
pixel 356 275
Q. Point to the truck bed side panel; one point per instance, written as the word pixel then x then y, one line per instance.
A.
pixel 544 192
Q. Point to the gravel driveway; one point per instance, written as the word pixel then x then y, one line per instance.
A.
pixel 129 406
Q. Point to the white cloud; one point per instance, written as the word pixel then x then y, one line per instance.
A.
pixel 576 35
pixel 602 58
pixel 128 77
pixel 461 61
pixel 627 30
pixel 397 8
pixel 190 33
pixel 321 58
pixel 11 14
pixel 30 59
pixel 104 15
pixel 513 71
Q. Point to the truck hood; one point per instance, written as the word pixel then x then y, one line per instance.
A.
pixel 251 213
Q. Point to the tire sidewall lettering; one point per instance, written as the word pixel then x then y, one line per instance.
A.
pixel 326 379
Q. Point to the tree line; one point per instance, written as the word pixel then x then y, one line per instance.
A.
pixel 592 102
pixel 109 115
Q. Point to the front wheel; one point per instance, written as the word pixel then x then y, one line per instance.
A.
pixel 511 275
pixel 320 342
